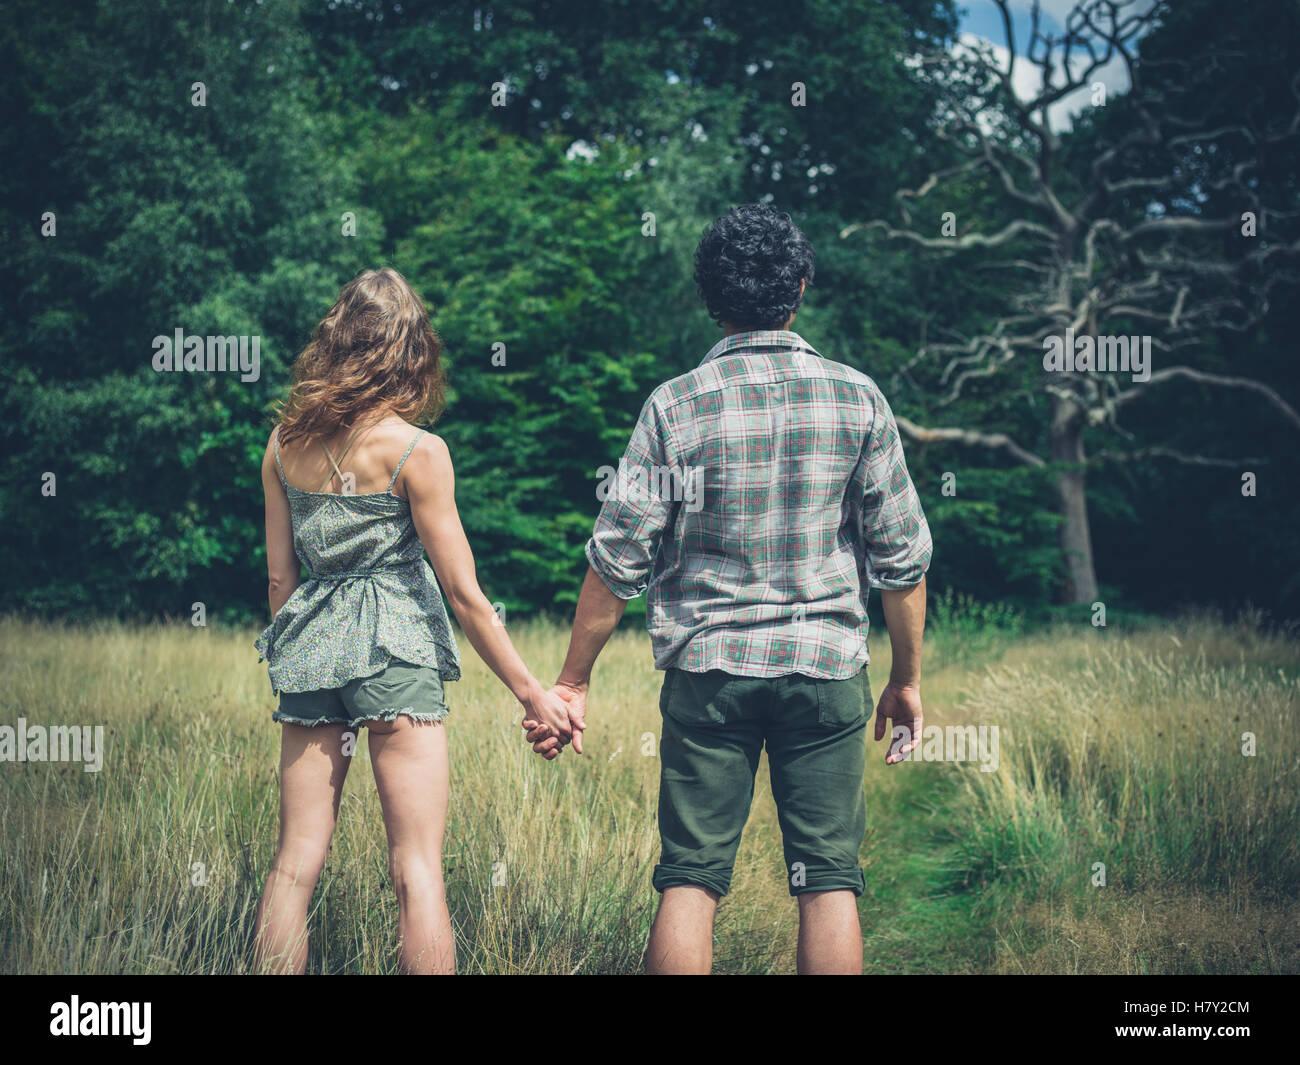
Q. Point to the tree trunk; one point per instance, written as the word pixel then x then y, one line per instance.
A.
pixel 1076 537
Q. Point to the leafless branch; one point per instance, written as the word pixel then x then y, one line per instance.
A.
pixel 1171 373
pixel 971 437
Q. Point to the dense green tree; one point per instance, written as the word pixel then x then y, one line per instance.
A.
pixel 556 230
pixel 217 219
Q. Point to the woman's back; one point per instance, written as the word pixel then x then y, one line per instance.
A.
pixel 369 597
pixel 367 456
pixel 352 519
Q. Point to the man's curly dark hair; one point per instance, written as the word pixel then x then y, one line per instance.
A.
pixel 748 267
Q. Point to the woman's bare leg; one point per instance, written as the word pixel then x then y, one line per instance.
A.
pixel 312 770
pixel 410 764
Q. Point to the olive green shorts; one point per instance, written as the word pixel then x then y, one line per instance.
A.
pixel 400 688
pixel 715 725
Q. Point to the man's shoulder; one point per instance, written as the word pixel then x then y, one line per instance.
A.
pixel 843 371
pixel 725 372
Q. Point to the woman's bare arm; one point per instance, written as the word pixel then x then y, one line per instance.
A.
pixel 282 569
pixel 429 481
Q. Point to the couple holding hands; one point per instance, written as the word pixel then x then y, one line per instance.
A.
pixel 756 604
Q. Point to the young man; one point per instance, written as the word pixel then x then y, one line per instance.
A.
pixel 761 496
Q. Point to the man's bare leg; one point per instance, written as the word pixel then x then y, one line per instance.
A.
pixel 681 938
pixel 830 936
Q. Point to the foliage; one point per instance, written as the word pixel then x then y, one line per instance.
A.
pixel 521 226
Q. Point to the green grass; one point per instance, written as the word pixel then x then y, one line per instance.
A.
pixel 1120 747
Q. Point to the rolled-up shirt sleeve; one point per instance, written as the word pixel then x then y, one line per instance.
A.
pixel 895 534
pixel 635 513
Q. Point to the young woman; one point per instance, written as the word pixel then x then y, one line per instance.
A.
pixel 353 492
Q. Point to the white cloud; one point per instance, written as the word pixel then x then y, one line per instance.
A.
pixel 1027 77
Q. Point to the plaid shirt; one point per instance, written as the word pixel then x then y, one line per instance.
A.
pixel 760 498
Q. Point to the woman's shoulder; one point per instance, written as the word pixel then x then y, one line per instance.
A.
pixel 411 449
pixel 398 432
pixel 270 452
pixel 428 451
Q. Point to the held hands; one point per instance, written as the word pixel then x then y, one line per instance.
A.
pixel 549 735
pixel 902 704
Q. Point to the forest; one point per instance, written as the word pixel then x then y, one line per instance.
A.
pixel 541 173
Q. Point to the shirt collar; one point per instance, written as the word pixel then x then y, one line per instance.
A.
pixel 760 340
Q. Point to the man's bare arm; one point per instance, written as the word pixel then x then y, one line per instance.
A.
pixel 905 616
pixel 598 614
pixel 901 700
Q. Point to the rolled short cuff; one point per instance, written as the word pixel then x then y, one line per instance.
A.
pixel 434 717
pixel 623 589
pixel 851 879
pixel 896 583
pixel 666 876
pixel 281 718
pixel 419 717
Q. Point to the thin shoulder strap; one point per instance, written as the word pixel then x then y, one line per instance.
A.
pixel 330 479
pixel 335 463
pixel 275 442
pixel 409 448
pixel 350 441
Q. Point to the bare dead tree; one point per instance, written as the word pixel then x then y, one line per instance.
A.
pixel 1085 258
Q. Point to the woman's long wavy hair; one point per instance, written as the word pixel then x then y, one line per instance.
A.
pixel 375 350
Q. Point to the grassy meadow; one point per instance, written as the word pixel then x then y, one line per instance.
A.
pixel 1118 747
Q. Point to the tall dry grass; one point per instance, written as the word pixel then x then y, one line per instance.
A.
pixel 1120 748
pixel 1145 815
pixel 547 864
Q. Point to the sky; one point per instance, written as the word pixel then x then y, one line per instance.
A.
pixel 980 19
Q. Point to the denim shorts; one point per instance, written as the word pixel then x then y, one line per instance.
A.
pixel 399 689
pixel 715 726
